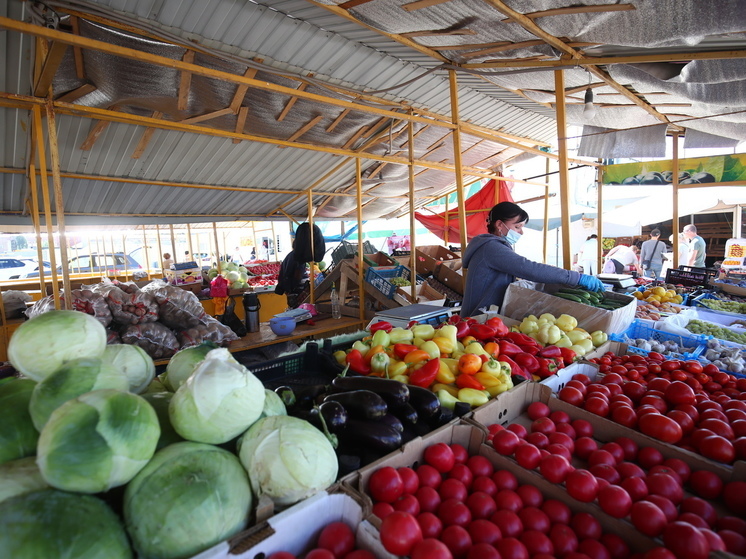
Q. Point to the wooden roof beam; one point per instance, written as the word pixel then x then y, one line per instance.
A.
pixel 290 103
pixel 147 134
pixel 75 94
pixel 77 51
pixel 305 128
pixel 243 113
pixel 52 61
pixel 241 90
pixel 208 116
pixel 185 83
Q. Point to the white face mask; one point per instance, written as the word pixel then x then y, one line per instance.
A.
pixel 513 237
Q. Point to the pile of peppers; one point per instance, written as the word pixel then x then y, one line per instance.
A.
pixel 461 360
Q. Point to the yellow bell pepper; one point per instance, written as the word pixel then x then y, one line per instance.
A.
pixel 397 368
pixel 404 379
pixel 548 334
pixel 381 337
pixel 379 364
pixel 373 350
pixel 445 345
pixel 492 366
pixel 451 389
pixel 431 348
pixel 424 331
pixel 447 331
pixel 578 349
pixel 564 341
pixel 528 325
pixel 548 317
pixel 566 322
pixel 447 400
pixel 445 374
pixel 361 347
pixel 466 340
pixel 488 379
pixel 576 335
pixel 599 337
pixel 586 344
pixel 476 348
pixel 340 356
pixel 417 341
pixel 451 362
pixel 400 335
pixel 473 396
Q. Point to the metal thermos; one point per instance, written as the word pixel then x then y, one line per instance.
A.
pixel 251 306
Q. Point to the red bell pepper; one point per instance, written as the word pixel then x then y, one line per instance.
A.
pixel 471 321
pixel 462 329
pixel 401 350
pixel 509 348
pixel 547 367
pixel 568 355
pixel 357 363
pixel 425 375
pixel 515 368
pixel 382 325
pixel 454 319
pixel 412 323
pixel 528 362
pixel 526 343
pixel 550 351
pixel 481 331
pixel 499 326
pixel 468 381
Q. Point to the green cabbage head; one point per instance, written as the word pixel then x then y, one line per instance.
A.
pixel 97 441
pixel 43 344
pixel 218 402
pixel 62 525
pixel 74 378
pixel 181 366
pixel 188 498
pixel 20 476
pixel 134 362
pixel 287 459
pixel 18 436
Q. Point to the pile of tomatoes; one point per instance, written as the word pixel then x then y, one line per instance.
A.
pixel 335 541
pixel 627 481
pixel 454 505
pixel 697 408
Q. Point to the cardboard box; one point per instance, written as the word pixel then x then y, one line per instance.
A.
pixel 451 278
pixel 729 288
pixel 558 381
pixel 428 258
pixel 296 529
pixel 187 275
pixel 617 348
pixel 520 302
pixel 424 294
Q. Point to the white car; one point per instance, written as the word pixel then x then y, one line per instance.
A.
pixel 19 268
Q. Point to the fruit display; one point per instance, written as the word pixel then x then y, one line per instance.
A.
pixel 711 329
pixel 592 298
pixel 659 295
pixel 727 306
pixel 649 311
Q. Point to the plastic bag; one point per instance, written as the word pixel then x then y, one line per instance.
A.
pixel 112 337
pixel 155 338
pixel 177 308
pixel 231 320
pixel 128 304
pixel 14 303
pixel 213 331
pixel 83 300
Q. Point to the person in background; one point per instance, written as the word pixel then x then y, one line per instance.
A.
pixel 253 254
pixel 237 258
pixel 167 261
pixel 622 258
pixel 589 255
pixel 493 263
pixel 187 258
pixel 264 251
pixel 651 254
pixel 697 247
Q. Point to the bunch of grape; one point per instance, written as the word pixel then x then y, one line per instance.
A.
pixel 711 329
pixel 400 282
pixel 727 306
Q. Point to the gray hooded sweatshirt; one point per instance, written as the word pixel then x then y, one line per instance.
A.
pixel 493 265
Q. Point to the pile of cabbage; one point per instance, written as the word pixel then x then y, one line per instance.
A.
pixel 108 461
pixel 236 274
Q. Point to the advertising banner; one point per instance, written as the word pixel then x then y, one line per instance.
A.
pixel 720 170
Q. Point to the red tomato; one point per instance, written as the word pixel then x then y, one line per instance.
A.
pixel 683 419
pixel 507 499
pixel 606 472
pixel 568 429
pixel 678 393
pixel 539 440
pixel 530 496
pixel 706 484
pixel 662 469
pixel 593 549
pixel 385 484
pixel 459 453
pixel 319 553
pixel 685 541
pixel 536 410
pixel 636 487
pixel 717 426
pixel 338 538
pixel 482 551
pixel 597 406
pixel 480 466
pixel 564 440
pixel 430 525
pixel 557 511
pixel 537 543
pixel 429 498
pixel 457 539
pixel 731 523
pixel 660 427
pixel 511 548
pixel 698 435
pixel 554 468
pixel 648 457
pixel 429 476
pixel 668 508
pixel 483 531
pixel 659 553
pixel 680 467
pixel 715 541
pixel 654 400
pixel 480 505
pixel 581 485
pixel 628 446
pixel 462 473
pixel 400 531
pixel 505 480
pixel 543 425
pixel 560 417
pixel 440 456
pixel 735 497
pixel 409 479
pixel 665 486
pixel 564 539
pixel 527 456
pixel 555 448
pixel 698 506
pixel 577 384
pixel 615 501
pixel 618 548
pixel 518 429
pixel 452 488
pixel 717 448
pixel 407 503
pixel 571 395
pixel 382 510
pixel 584 446
pixel 582 427
pixel 509 523
pixel 454 512
pixel 629 469
pixel 648 518
pixel 534 518
pixel 430 548
pixel 601 456
pixel 734 542
pixel 505 442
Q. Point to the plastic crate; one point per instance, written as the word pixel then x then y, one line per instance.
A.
pixel 379 278
pixel 308 367
pixel 689 276
pixel 349 250
pixel 639 329
pixel 697 301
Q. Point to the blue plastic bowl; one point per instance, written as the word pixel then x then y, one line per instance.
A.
pixel 282 326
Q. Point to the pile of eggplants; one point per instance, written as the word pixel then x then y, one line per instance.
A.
pixel 367 416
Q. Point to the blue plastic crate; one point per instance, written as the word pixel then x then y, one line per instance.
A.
pixel 638 329
pixel 379 278
pixel 696 301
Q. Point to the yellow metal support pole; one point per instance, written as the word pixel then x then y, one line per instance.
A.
pixel 546 216
pixel 189 238
pixel 160 249
pixel 173 241
pixel 412 221
pixel 463 234
pixel 675 186
pixel 217 246
pixel 37 227
pixel 360 274
pixel 124 252
pixel 599 221
pixel 42 155
pixel 145 248
pixel 564 177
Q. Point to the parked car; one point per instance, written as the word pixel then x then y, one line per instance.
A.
pixel 98 263
pixel 19 268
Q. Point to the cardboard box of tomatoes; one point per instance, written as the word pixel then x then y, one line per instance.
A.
pixel 296 529
pixel 521 301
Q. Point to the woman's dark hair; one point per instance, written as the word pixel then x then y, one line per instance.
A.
pixel 503 212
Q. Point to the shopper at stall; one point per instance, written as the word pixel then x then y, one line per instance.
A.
pixel 651 255
pixel 167 261
pixel 493 263
pixel 697 247
pixel 621 259
pixel 589 255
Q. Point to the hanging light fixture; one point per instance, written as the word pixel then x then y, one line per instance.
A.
pixel 589 110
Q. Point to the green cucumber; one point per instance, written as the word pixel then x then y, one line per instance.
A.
pixel 571 297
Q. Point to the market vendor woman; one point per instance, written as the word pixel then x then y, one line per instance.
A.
pixel 493 264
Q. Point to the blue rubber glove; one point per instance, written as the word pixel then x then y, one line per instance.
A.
pixel 591 283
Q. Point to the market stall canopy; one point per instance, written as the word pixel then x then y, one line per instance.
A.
pixel 211 131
